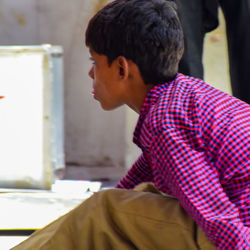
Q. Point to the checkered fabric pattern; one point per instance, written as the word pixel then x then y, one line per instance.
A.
pixel 195 143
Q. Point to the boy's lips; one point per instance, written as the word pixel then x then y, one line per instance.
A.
pixel 93 93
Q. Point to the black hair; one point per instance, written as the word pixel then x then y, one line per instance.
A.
pixel 148 32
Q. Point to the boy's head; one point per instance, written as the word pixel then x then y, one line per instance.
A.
pixel 148 32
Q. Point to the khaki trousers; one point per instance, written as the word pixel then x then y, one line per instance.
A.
pixel 121 219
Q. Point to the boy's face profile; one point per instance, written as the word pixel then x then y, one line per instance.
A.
pixel 134 54
pixel 108 87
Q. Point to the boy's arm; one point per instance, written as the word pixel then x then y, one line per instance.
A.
pixel 196 183
pixel 140 172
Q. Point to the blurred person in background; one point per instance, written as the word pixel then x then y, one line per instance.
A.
pixel 201 16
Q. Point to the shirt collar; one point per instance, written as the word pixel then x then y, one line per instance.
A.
pixel 150 99
pixel 153 95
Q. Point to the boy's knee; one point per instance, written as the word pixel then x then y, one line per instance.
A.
pixel 108 195
pixel 103 197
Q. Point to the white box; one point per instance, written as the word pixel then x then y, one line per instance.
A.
pixel 31 115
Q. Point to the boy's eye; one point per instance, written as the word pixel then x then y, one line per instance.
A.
pixel 92 60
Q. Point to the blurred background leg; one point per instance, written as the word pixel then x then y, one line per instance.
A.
pixel 197 18
pixel 237 15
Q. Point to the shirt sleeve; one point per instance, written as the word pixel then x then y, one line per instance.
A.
pixel 140 172
pixel 196 183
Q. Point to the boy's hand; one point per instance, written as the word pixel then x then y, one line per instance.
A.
pixel 1 96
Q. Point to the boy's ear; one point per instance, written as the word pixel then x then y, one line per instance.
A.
pixel 123 67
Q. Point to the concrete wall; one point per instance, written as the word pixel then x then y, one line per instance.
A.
pixel 93 137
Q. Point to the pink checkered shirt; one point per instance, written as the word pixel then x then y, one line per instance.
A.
pixel 195 143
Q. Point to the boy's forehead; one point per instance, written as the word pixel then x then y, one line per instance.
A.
pixel 97 56
pixel 90 51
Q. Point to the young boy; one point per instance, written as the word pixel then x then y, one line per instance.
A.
pixel 195 143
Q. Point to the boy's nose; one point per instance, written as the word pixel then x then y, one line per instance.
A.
pixel 91 73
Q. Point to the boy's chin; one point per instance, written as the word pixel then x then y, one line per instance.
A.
pixel 109 108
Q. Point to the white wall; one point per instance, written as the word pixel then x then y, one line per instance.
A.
pixel 93 137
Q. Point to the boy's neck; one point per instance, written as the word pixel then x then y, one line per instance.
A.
pixel 136 89
pixel 138 98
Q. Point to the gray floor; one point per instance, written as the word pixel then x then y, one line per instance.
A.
pixel 23 211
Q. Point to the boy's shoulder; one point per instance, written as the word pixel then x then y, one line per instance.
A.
pixel 189 91
pixel 187 100
pixel 186 92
